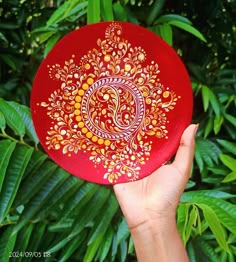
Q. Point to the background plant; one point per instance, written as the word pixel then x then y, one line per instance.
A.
pixel 45 209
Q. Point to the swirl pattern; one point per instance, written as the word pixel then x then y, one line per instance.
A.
pixel 113 108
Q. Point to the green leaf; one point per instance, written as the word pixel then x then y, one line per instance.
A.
pixel 218 121
pixel 191 253
pixel 205 97
pixel 215 226
pixel 206 152
pixel 225 211
pixel 230 177
pixel 166 33
pixel 6 149
pixel 45 36
pixel 209 97
pixel 120 13
pixel 38 233
pixel 24 113
pixel 51 42
pixel 228 161
pixel 208 126
pixel 66 10
pixel 13 118
pixel 170 17
pixel 94 207
pixel 192 218
pixel 38 200
pixel 106 10
pixel 2 121
pixel 214 103
pixel 7 243
pixel 69 187
pixel 72 246
pixel 93 14
pixel 155 11
pixel 231 119
pixel 92 248
pixel 188 28
pixel 204 251
pixel 104 248
pixel 88 196
pixel 189 196
pixel 78 200
pixel 123 231
pixel 15 171
pixel 37 159
pixel 9 60
pixel 37 179
pixel 102 225
pixel 229 146
pixel 23 239
pixel 123 250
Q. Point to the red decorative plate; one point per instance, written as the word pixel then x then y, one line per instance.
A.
pixel 110 102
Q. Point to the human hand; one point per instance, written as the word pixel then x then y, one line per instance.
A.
pixel 157 196
pixel 149 206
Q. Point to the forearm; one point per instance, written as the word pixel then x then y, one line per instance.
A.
pixel 156 242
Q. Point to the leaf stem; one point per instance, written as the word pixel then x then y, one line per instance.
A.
pixel 21 141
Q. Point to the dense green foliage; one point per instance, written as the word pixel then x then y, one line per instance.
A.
pixel 45 209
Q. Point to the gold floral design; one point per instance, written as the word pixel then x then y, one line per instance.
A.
pixel 109 105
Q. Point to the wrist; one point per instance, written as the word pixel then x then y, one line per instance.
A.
pixel 158 240
pixel 157 226
pixel 151 220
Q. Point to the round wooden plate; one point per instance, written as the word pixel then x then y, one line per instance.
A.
pixel 110 102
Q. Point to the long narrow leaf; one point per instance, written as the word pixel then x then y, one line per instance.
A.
pixel 170 17
pixel 7 243
pixel 2 121
pixel 13 119
pixel 230 177
pixel 23 239
pixel 204 251
pixel 225 211
pixel 78 200
pixel 205 97
pixel 123 231
pixel 215 226
pixel 67 9
pixel 189 225
pixel 228 161
pixel 15 171
pixel 39 200
pixel 25 115
pixel 92 248
pixel 35 182
pixel 231 119
pixel 104 248
pixel 155 11
pixel 38 233
pixel 109 212
pixel 69 187
pixel 106 10
pixel 70 248
pixel 93 15
pixel 188 28
pixel 6 149
pixel 229 146
pixel 166 33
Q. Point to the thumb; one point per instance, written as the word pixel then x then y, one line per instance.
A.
pixel 185 153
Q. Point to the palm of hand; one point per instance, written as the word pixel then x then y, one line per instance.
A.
pixel 158 195
pixel 155 196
